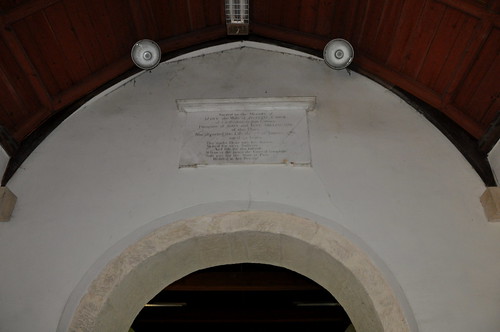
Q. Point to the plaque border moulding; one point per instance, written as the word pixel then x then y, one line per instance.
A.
pixel 190 156
pixel 247 104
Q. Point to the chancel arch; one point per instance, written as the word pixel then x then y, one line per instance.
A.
pixel 173 251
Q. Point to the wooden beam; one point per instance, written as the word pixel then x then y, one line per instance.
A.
pixel 232 313
pixel 471 9
pixel 31 123
pixel 17 50
pixel 143 19
pixel 243 281
pixel 481 33
pixel 488 141
pixel 288 35
pixel 192 38
pixel 26 9
pixel 9 144
pixel 420 91
pixel 79 90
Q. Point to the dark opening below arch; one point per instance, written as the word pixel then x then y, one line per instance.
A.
pixel 243 297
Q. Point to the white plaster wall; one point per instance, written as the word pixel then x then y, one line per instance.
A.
pixel 380 170
pixel 494 159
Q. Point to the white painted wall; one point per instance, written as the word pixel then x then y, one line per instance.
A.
pixel 110 172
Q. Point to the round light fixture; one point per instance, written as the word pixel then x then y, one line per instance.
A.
pixel 338 53
pixel 146 54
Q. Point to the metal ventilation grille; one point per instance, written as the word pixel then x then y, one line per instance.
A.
pixel 237 11
pixel 237 17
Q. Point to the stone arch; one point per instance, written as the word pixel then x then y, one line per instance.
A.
pixel 173 251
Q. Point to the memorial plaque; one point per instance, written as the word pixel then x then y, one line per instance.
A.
pixel 246 133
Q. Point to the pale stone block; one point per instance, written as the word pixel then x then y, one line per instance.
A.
pixel 491 203
pixel 7 203
pixel 263 247
pixel 214 250
pixel 239 250
pixel 295 254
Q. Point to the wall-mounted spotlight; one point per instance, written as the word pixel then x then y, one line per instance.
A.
pixel 338 54
pixel 146 54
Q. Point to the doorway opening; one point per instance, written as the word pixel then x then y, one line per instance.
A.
pixel 243 297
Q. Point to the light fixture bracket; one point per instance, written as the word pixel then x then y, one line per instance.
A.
pixel 235 29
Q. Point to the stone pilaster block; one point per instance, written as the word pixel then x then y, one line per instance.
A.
pixel 7 203
pixel 491 203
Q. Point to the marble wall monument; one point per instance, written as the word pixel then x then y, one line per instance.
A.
pixel 246 131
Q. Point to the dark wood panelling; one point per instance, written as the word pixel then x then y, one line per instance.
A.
pixel 43 49
pixel 444 52
pixel 214 12
pixel 417 48
pixel 6 5
pixel 289 14
pixel 11 103
pixel 24 8
pixel 68 48
pixel 468 6
pixel 324 22
pixel 444 40
pixel 482 3
pixel 68 44
pixel 144 22
pixel 16 94
pixel 259 10
pixel 493 112
pixel 427 47
pixel 286 35
pixel 81 23
pixel 481 88
pixel 16 58
pixel 172 17
pixel 308 16
pixel 358 16
pixel 453 63
pixel 196 10
pixel 276 9
pixel 494 6
pixel 108 34
pixel 373 22
pixel 120 14
pixel 343 18
pixel 381 43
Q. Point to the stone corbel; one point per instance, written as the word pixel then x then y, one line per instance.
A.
pixel 491 203
pixel 7 203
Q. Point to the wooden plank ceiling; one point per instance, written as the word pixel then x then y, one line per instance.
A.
pixel 243 297
pixel 56 52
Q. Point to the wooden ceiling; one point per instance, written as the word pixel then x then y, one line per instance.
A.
pixel 55 53
pixel 243 297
